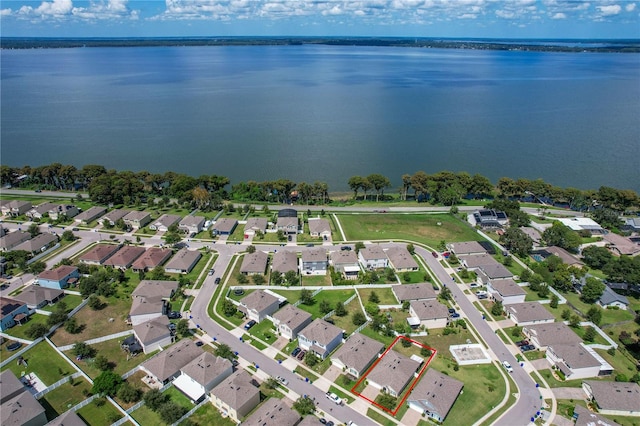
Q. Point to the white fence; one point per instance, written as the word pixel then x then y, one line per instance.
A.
pixel 29 343
pixel 57 384
pixel 190 412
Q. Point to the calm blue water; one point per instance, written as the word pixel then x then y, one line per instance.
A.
pixel 326 113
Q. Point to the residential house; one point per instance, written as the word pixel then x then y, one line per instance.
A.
pixel 633 223
pixel 493 272
pixel 373 257
pixel 152 257
pixel 224 226
pixel 346 263
pixel 475 261
pixel 466 247
pixel 38 244
pixel 236 396
pixel 620 245
pixel 63 211
pixel 12 239
pixel 254 263
pixel 90 215
pixel 284 261
pixel 273 412
pixel 11 312
pixel 40 211
pixel 393 373
pixel 506 291
pixel 191 224
pixel 287 221
pixel 532 233
pixel 18 407
pixel 36 297
pixel 582 224
pixel 259 304
pixel 60 277
pixel 70 418
pixel 565 256
pixel 576 361
pixel 136 219
pixel 611 299
pixel 423 291
pixel 255 224
pixel 198 377
pixel 99 254
pixel 166 365
pixel 320 337
pixel 164 222
pixel 183 261
pixel 315 261
pixel 614 398
pixel 110 218
pixel 401 260
pixel 154 334
pixel 528 313
pixel 319 227
pixel 357 354
pixel 435 395
pixel 124 257
pixel 586 417
pixel 151 300
pixel 290 320
pixel 543 335
pixel 15 208
pixel 490 218
pixel 429 313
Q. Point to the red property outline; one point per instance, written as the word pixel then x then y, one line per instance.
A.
pixel 415 381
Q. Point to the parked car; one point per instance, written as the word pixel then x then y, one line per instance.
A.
pixel 452 311
pixel 507 366
pixel 295 352
pixel 199 343
pixel 289 238
pixel 522 342
pixel 282 380
pixel 14 346
pixel 434 254
pixel 526 348
pixel 474 285
pixel 217 281
pixel 310 245
pixel 301 355
pixel 323 421
pixel 74 229
pixel 335 398
pixel 250 324
pixel 455 315
pixel 174 315
pixel 345 248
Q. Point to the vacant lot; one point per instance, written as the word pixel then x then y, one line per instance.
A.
pixel 421 228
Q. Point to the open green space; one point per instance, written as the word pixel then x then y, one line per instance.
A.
pixel 71 300
pixel 609 316
pixel 207 415
pixel 385 295
pixel 145 416
pixel 20 331
pixel 428 229
pixel 331 296
pixel 580 331
pixel 45 362
pixel 555 383
pixel 621 363
pixel 346 322
pixel 100 416
pixel 66 396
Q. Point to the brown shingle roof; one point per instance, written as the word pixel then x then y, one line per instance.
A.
pixel 57 274
pixel 291 316
pixel 183 259
pixel 314 255
pixel 37 242
pixel 150 331
pixel 168 362
pixel 394 371
pixel 273 412
pixel 436 392
pixel 414 291
pixel 254 263
pixel 321 331
pixel 124 257
pixel 400 258
pixel 236 390
pixel 33 295
pixel 258 300
pixel 529 311
pixel 358 351
pixel 151 258
pixel 429 309
pixel 99 253
pixel 621 396
pixel 284 261
pixel 206 367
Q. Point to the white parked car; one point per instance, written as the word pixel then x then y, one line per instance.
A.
pixel 335 398
pixel 507 366
pixel 282 380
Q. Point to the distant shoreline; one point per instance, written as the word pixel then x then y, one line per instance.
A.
pixel 542 45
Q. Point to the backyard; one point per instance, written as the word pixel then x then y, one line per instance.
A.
pixel 102 415
pixel 385 295
pixel 45 362
pixel 208 415
pixel 66 396
pixel 331 296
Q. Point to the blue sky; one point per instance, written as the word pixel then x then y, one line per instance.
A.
pixel 413 18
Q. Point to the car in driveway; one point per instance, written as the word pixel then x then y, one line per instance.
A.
pixel 345 248
pixel 526 348
pixel 295 352
pixel 522 342
pixel 335 398
pixel 199 343
pixel 301 355
pixel 507 366
pixel 250 324
pixel 455 315
pixel 474 285
pixel 174 315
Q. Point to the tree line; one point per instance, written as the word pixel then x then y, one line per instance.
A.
pixel 444 188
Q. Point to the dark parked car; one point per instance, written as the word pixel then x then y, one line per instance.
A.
pixel 199 343
pixel 14 346
pixel 452 311
pixel 434 254
pixel 301 355
pixel 250 324
pixel 522 342
pixel 295 352
pixel 455 315
pixel 289 238
pixel 345 248
pixel 217 281
pixel 526 348
pixel 174 315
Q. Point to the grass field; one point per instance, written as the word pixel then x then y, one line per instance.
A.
pixel 208 415
pixel 292 295
pixel 264 331
pixel 179 398
pixel 45 362
pixel 66 396
pixel 110 349
pixel 345 323
pixel 385 295
pixel 333 297
pixel 71 300
pixel 146 417
pixel 415 227
pixel 20 331
pixel 316 280
pixel 100 416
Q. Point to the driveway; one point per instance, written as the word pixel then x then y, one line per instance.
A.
pixel 569 393
pixel 411 418
pixel 332 373
pixel 370 392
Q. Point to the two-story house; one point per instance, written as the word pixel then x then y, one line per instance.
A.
pixel 320 337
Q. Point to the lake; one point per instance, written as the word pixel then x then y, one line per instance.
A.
pixel 326 113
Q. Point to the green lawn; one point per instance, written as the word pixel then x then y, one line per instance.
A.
pixel 146 417
pixel 71 300
pixel 331 296
pixel 566 406
pixel 344 381
pixel 555 383
pixel 428 229
pixel 598 339
pixel 620 362
pixel 66 396
pixel 207 415
pixel 265 331
pixel 292 296
pixel 304 373
pixel 345 323
pixel 21 330
pixel 237 297
pixel 316 280
pixel 380 419
pixel 609 316
pixel 349 398
pixel 179 398
pixel 385 295
pixel 45 362
pixel 100 416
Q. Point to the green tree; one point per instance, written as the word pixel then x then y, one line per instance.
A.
pixel 554 301
pixel 574 321
pixel 128 394
pixel 543 291
pixel 340 309
pixel 258 279
pixel 497 309
pixel 594 314
pixel 561 236
pixel 358 318
pixel 228 308
pixel 170 412
pixel 406 343
pixel 271 383
pixel 411 249
pixel 325 307
pixel 359 246
pixel 304 406
pixel 373 297
pixel 68 236
pixel 242 278
pixel 566 314
pixel 517 241
pixel 311 359
pixel 291 277
pixel 56 317
pixel 596 257
pixel 101 363
pixel 183 328
pixel 516 332
pixel 251 249
pixel 224 351
pixel 72 326
pixel 425 352
pixel 306 297
pixel 592 290
pixel 34 229
pixel 94 302
pixel 172 238
pixel 589 334
pixel 37 330
pixel 154 399
pixel 107 383
pixel 276 277
pixel 83 350
pixel 387 401
pixel 379 183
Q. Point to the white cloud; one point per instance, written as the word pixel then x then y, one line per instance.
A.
pixel 609 10
pixel 64 9
pixel 5 12
pixel 630 7
pixel 559 15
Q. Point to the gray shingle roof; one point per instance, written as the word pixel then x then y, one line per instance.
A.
pixel 225 224
pixel 400 258
pixel 373 252
pixel 168 362
pixel 206 367
pixel 358 351
pixel 153 288
pixel 37 242
pixel 321 331
pixel 610 296
pixel 466 247
pixel 20 410
pixel 414 291
pixel 589 418
pixel 153 330
pixel 507 288
pixel 254 263
pixel 496 271
pixel 285 261
pixel 258 300
pixel 92 213
pixel 291 316
pixel 236 390
pixel 256 224
pixel 70 418
pixel 192 221
pixel 318 226
pixel 429 309
pixel 34 295
pixel 529 311
pixel 436 392
pixel 115 215
pixel 394 371
pixel 477 260
pixel 183 259
pixel 344 257
pixel 553 333
pixel 167 220
pixel 574 355
pixel 314 255
pixel 622 396
pixel 273 412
